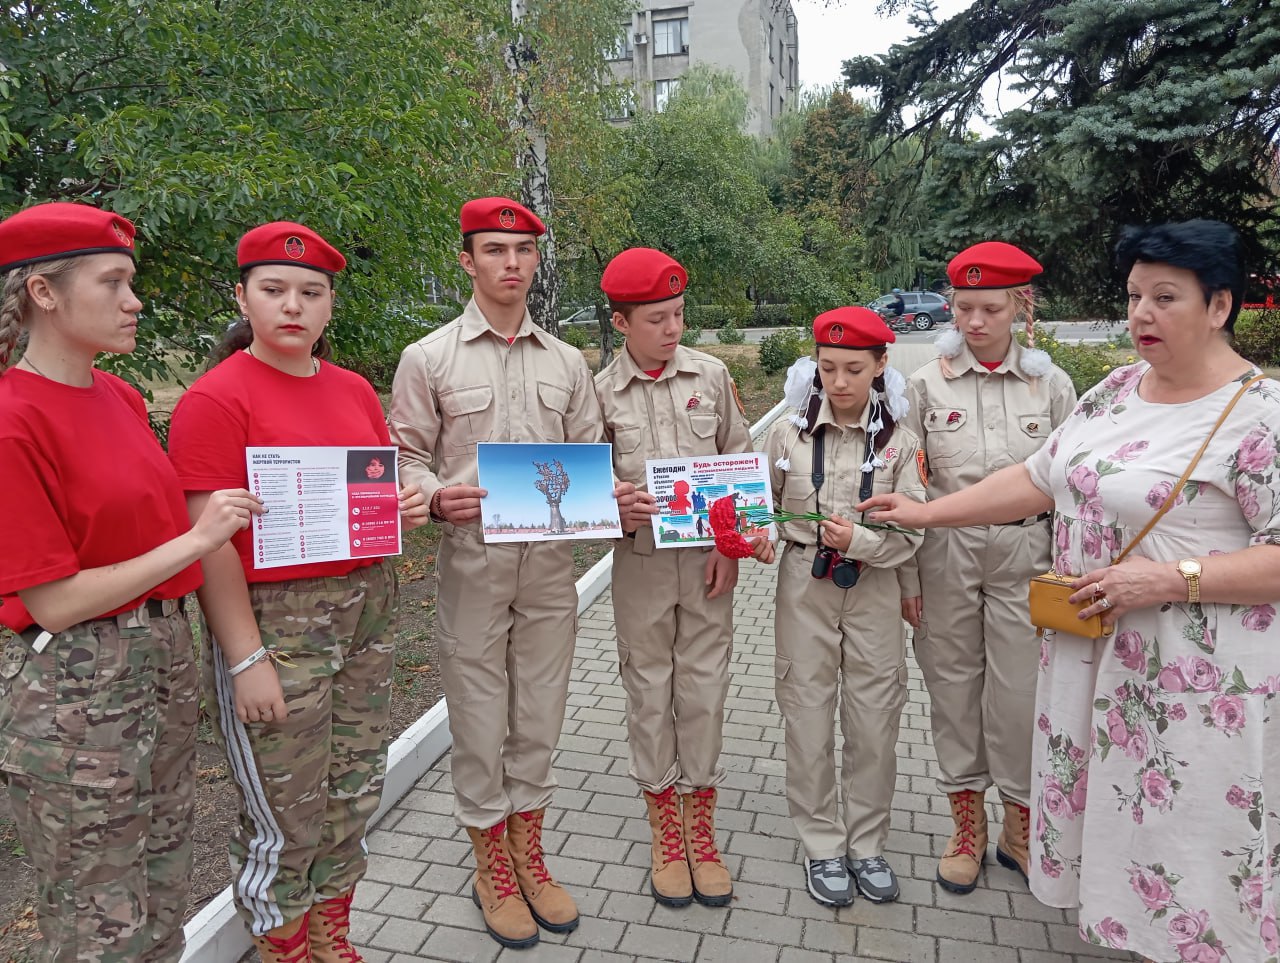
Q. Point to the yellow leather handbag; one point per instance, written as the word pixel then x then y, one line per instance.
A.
pixel 1047 594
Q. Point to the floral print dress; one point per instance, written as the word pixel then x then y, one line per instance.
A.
pixel 1156 761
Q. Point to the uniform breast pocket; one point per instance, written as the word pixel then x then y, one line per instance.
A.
pixel 703 425
pixel 949 438
pixel 628 453
pixel 554 397
pixel 469 416
pixel 798 491
pixel 1033 431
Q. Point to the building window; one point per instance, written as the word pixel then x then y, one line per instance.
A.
pixel 671 36
pixel 771 100
pixel 622 48
pixel 622 103
pixel 662 91
pixel 781 53
pixel 781 106
pixel 770 43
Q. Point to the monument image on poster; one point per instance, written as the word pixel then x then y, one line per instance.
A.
pixel 541 492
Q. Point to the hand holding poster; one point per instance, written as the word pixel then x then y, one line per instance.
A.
pixel 324 504
pixel 685 489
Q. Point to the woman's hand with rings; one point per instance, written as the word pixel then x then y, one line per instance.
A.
pixel 258 696
pixel 1135 583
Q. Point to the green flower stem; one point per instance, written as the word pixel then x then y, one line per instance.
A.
pixel 780 517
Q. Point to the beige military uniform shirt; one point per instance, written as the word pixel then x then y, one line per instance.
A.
pixel 464 384
pixel 974 422
pixel 844 452
pixel 689 409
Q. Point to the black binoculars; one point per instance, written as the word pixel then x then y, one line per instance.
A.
pixel 828 564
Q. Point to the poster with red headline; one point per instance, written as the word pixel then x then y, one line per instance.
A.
pixel 325 504
pixel 685 489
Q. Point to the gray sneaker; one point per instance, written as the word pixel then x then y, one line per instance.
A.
pixel 829 882
pixel 874 878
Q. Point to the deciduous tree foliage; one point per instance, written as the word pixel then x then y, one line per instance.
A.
pixel 200 119
pixel 1141 111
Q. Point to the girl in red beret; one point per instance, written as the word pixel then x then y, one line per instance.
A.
pixel 98 687
pixel 298 658
pixel 838 634
pixel 984 403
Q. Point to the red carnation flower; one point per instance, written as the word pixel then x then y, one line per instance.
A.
pixel 723 516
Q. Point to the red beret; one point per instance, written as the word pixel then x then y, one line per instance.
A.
pixel 499 214
pixel 284 242
pixel 992 264
pixel 642 275
pixel 852 328
pixel 59 229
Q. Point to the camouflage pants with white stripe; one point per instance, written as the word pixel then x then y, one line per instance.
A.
pixel 310 784
pixel 97 748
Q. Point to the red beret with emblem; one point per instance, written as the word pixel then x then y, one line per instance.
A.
pixel 59 229
pixel 992 264
pixel 643 275
pixel 851 328
pixel 284 242
pixel 500 214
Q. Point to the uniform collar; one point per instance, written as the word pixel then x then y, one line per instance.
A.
pixel 827 417
pixel 629 370
pixel 475 324
pixel 965 361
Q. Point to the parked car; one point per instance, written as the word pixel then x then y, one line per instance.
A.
pixel 924 308
pixel 582 315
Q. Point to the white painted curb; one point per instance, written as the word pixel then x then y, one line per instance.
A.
pixel 215 935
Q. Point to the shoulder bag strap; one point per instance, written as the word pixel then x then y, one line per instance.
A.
pixel 1195 460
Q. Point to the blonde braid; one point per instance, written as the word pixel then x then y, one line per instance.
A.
pixel 1024 303
pixel 15 301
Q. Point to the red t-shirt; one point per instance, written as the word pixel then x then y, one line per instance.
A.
pixel 991 365
pixel 244 402
pixel 656 373
pixel 84 484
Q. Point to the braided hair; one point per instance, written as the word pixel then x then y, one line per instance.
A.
pixel 877 385
pixel 16 302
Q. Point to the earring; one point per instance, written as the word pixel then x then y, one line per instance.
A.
pixel 47 307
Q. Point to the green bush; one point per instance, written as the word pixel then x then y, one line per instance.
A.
pixel 708 315
pixel 771 316
pixel 575 335
pixel 376 358
pixel 689 337
pixel 778 351
pixel 1085 364
pixel 730 333
pixel 1257 336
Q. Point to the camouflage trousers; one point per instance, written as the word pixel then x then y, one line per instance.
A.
pixel 309 785
pixel 97 749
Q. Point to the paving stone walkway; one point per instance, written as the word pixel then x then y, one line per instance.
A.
pixel 416 905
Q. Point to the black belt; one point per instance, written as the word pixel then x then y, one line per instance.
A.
pixel 1042 517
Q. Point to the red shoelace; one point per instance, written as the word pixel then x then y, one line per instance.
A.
pixel 504 883
pixel 536 862
pixel 704 837
pixel 672 837
pixel 336 917
pixel 964 824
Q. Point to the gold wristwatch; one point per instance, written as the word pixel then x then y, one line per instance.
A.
pixel 1190 569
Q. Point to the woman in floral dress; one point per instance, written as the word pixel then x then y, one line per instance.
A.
pixel 1157 750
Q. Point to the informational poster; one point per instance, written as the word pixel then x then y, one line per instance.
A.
pixel 544 492
pixel 686 488
pixel 324 504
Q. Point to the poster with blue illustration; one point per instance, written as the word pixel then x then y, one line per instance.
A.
pixel 686 488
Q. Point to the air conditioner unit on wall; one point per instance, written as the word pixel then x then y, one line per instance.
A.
pixel 641 38
pixel 684 48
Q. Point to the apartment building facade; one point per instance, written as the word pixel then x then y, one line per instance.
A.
pixel 756 40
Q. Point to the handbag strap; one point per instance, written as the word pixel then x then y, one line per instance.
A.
pixel 1195 460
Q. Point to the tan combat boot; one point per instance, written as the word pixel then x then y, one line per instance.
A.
pixel 712 885
pixel 329 928
pixel 496 892
pixel 1013 847
pixel 285 944
pixel 552 908
pixel 669 879
pixel 958 868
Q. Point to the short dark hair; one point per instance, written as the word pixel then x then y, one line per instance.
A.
pixel 623 308
pixel 1211 249
pixel 469 245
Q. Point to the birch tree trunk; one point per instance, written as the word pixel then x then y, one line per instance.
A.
pixel 531 158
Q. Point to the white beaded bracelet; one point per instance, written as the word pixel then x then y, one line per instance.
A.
pixel 248 663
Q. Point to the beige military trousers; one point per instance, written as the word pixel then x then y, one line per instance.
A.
pixel 844 647
pixel 979 653
pixel 674 646
pixel 506 621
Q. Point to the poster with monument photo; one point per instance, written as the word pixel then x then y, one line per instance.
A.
pixel 544 492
